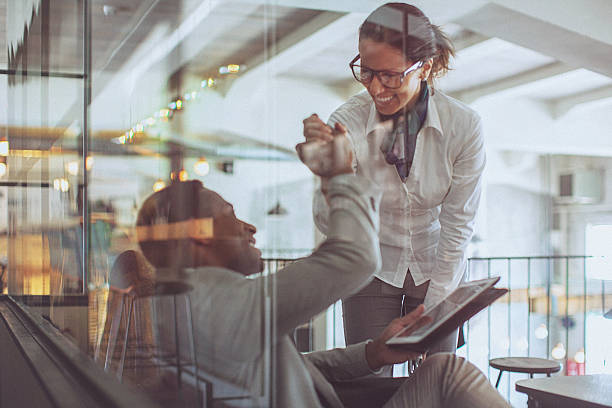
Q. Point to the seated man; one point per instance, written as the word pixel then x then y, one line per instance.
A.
pixel 192 233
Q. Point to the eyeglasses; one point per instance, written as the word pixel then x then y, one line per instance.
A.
pixel 389 79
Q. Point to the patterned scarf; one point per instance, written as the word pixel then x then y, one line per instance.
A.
pixel 398 146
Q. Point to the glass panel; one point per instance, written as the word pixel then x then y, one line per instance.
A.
pixel 109 102
pixel 44 133
pixel 160 115
pixel 3 40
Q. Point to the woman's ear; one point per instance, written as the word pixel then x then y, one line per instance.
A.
pixel 426 69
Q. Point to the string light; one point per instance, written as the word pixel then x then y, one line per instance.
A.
pixel 89 162
pixel 579 356
pixel 166 113
pixel 183 175
pixel 72 168
pixel 231 69
pixel 523 343
pixel 208 83
pixel 541 332
pixel 558 352
pixel 4 147
pixel 61 184
pixel 201 167
pixel 158 185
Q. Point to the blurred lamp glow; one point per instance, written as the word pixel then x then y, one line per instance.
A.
pixel 183 175
pixel 4 147
pixel 201 167
pixel 558 352
pixel 230 69
pixel 579 356
pixel 89 162
pixel 541 332
pixel 61 184
pixel 72 167
pixel 158 185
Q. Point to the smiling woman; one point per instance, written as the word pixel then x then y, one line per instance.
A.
pixel 425 150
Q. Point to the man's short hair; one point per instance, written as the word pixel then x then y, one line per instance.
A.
pixel 181 201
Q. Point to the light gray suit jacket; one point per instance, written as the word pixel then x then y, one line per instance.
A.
pixel 242 324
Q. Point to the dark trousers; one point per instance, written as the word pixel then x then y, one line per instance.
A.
pixel 369 311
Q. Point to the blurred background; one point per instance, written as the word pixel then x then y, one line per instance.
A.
pixel 105 101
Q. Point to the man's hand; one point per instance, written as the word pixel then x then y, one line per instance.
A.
pixel 326 153
pixel 378 354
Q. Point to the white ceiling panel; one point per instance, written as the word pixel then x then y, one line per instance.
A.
pixel 489 61
pixel 570 83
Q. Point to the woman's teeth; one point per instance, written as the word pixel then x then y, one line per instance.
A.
pixel 384 100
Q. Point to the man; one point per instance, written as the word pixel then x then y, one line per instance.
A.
pixel 191 233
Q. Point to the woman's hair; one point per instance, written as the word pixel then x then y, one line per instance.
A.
pixel 406 28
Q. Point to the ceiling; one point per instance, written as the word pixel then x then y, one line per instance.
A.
pixel 558 53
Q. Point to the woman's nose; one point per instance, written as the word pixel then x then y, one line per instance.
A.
pixel 375 86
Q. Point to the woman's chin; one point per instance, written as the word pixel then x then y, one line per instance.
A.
pixel 387 109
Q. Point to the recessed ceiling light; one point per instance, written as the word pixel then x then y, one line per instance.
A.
pixel 109 10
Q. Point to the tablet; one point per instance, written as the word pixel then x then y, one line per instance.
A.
pixel 464 302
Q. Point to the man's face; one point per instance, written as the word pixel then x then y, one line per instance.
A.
pixel 233 241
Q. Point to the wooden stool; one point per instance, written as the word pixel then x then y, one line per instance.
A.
pixel 529 365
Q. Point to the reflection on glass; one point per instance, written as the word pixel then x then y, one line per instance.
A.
pixel 105 109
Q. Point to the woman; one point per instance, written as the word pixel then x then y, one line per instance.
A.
pixel 425 150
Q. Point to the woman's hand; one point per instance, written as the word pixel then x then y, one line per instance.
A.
pixel 316 129
pixel 379 354
pixel 326 153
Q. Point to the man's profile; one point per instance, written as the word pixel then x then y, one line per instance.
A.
pixel 192 233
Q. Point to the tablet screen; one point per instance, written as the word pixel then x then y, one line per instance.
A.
pixel 443 310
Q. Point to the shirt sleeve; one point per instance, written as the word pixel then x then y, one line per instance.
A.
pixel 344 262
pixel 320 208
pixel 457 215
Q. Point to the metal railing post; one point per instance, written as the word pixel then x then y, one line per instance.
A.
pixel 529 307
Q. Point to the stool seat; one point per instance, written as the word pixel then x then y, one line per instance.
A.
pixel 529 365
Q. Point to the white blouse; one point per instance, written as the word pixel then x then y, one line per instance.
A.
pixel 427 221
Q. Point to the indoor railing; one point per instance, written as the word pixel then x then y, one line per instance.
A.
pixel 554 308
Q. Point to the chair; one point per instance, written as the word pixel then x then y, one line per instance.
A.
pixel 148 337
pixel 132 337
pixel 529 365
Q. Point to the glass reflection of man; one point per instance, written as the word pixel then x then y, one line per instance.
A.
pixel 188 228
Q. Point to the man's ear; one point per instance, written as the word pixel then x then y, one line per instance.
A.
pixel 202 242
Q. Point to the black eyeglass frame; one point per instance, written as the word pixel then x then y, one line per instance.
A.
pixel 401 75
